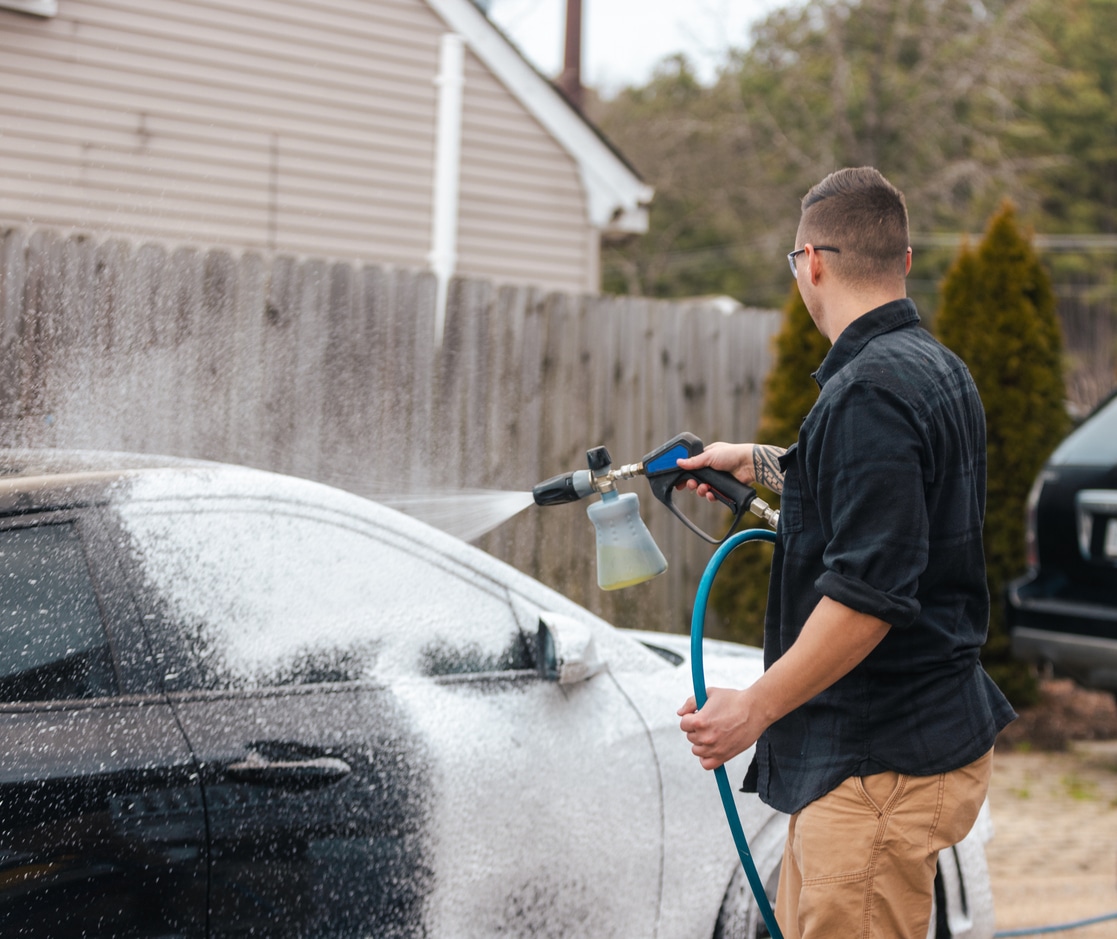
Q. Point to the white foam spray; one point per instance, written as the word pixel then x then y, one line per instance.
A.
pixel 465 513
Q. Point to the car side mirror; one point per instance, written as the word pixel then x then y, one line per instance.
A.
pixel 564 650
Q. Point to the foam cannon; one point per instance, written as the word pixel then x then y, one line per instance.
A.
pixel 626 552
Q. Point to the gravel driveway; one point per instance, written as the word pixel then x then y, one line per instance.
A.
pixel 1053 857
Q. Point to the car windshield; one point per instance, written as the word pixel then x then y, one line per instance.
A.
pixel 1094 443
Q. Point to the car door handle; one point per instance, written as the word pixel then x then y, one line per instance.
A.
pixel 293 774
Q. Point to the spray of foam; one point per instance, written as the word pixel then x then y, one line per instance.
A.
pixel 465 513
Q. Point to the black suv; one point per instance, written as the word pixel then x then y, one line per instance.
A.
pixel 1063 612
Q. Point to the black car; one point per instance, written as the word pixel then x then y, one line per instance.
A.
pixel 1063 613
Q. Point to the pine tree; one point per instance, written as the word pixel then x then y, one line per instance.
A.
pixel 999 315
pixel 740 592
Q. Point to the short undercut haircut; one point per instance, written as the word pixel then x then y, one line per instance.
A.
pixel 862 214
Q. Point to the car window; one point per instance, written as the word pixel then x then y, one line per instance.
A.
pixel 256 596
pixel 52 642
pixel 1094 443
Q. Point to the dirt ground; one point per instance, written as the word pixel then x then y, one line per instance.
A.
pixel 1053 857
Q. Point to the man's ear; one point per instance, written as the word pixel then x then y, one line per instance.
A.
pixel 814 267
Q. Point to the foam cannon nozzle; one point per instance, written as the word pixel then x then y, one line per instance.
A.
pixel 626 552
pixel 569 487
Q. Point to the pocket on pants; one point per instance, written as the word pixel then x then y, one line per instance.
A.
pixel 879 789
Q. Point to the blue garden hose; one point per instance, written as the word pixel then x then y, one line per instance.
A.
pixel 697 619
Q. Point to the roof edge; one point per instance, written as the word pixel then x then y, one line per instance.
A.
pixel 616 195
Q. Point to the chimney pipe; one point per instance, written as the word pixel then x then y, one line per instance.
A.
pixel 570 81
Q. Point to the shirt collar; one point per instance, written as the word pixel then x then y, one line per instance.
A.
pixel 896 314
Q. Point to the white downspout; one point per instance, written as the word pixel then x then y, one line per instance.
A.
pixel 447 172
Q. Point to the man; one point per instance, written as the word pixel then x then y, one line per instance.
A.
pixel 873 722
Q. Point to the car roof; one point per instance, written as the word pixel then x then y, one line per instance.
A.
pixel 34 480
pixel 54 479
pixel 26 463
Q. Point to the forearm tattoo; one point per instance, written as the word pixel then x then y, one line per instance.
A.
pixel 766 464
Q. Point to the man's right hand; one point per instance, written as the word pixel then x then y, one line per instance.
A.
pixel 734 458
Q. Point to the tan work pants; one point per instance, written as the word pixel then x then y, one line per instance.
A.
pixel 860 861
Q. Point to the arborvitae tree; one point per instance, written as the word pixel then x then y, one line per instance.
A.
pixel 999 314
pixel 740 592
pixel 789 391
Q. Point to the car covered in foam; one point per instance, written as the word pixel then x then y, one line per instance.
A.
pixel 235 703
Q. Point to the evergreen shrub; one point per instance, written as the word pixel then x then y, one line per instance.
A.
pixel 740 592
pixel 998 313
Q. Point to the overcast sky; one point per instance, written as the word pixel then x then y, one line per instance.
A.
pixel 623 39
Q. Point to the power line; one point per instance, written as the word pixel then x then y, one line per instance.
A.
pixel 1041 242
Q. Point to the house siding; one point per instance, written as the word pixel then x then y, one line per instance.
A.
pixel 275 125
pixel 516 182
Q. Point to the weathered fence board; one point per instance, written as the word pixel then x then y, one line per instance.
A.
pixel 330 371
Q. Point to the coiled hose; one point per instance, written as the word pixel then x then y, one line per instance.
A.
pixel 698 676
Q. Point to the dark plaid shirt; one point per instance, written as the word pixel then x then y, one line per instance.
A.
pixel 882 510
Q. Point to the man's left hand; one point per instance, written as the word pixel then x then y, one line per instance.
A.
pixel 727 725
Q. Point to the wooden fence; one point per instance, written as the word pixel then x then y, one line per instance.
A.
pixel 330 371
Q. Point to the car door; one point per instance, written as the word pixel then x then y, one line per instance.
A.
pixel 101 821
pixel 315 812
pixel 379 752
pixel 549 815
pixel 316 788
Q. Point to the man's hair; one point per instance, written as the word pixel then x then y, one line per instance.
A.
pixel 861 213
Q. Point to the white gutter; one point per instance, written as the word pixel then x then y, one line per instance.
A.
pixel 447 172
